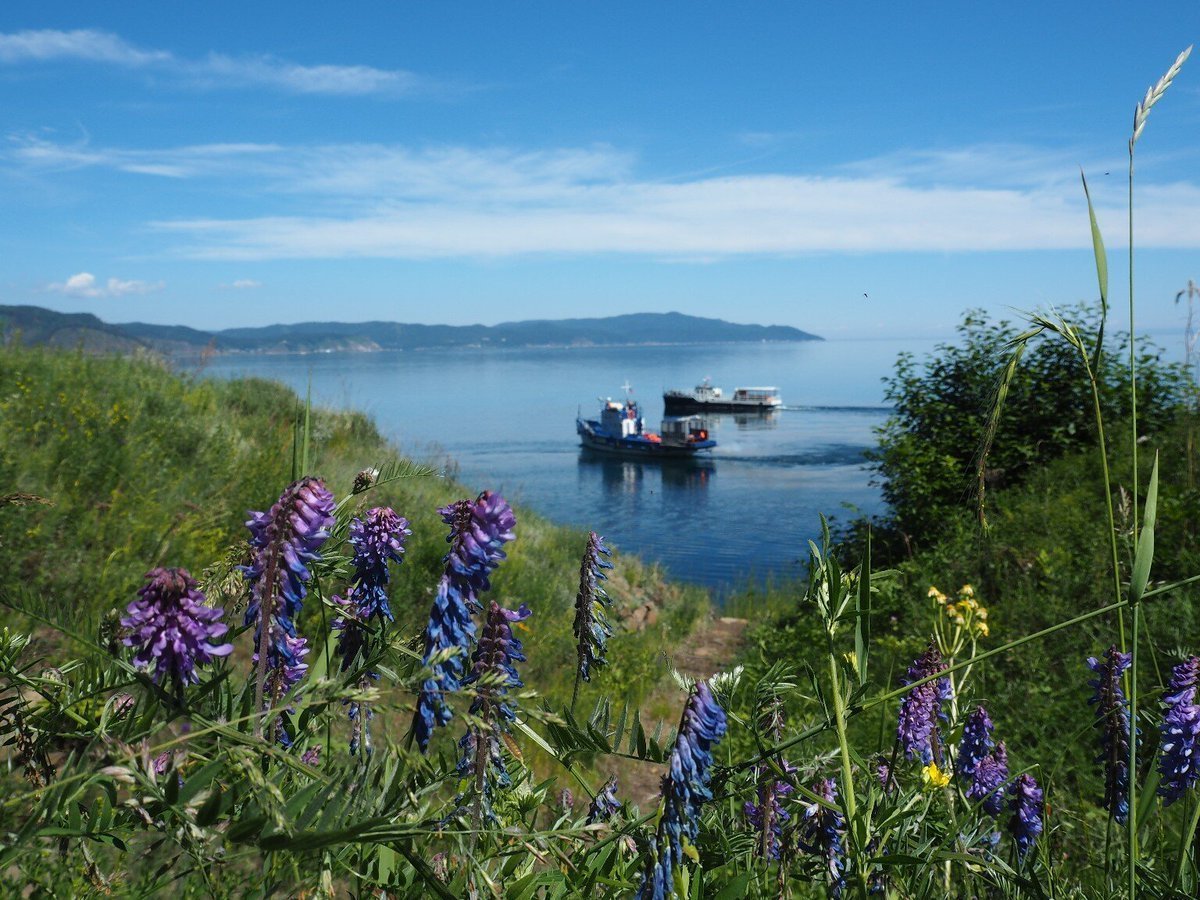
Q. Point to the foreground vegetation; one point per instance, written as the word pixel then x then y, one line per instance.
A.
pixel 339 702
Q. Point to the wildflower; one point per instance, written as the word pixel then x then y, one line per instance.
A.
pixel 592 628
pixel 824 834
pixel 172 627
pixel 605 804
pixel 1179 763
pixel 976 742
pixel 478 530
pixel 312 756
pixel 1026 804
pixel 1112 718
pixel 768 817
pixel 284 539
pixel 495 673
pixel 883 772
pixel 685 789
pixel 566 801
pixel 921 707
pixel 377 538
pixel 937 596
pixel 987 782
pixel 933 778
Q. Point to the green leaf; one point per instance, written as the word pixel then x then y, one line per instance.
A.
pixel 211 809
pixel 1097 248
pixel 1145 546
pixel 862 613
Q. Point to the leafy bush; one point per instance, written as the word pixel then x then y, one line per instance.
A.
pixel 929 449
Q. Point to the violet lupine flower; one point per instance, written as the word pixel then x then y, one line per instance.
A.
pixel 377 537
pixel 922 706
pixel 495 672
pixel 312 756
pixel 1026 804
pixel 172 627
pixel 883 773
pixel 824 835
pixel 592 628
pixel 1179 762
pixel 685 789
pixel 976 742
pixel 767 817
pixel 987 782
pixel 605 804
pixel 566 801
pixel 478 530
pixel 1112 718
pixel 285 539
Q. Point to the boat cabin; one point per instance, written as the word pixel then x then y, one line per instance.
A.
pixel 622 419
pixel 765 395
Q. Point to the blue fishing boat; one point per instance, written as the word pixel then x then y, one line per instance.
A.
pixel 621 430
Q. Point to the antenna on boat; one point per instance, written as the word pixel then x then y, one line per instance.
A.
pixel 627 387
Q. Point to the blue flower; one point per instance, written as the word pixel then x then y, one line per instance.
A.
pixel 377 538
pixel 1026 804
pixel 495 674
pixel 987 781
pixel 824 835
pixel 173 628
pixel 478 531
pixel 285 539
pixel 591 627
pixel 767 817
pixel 976 742
pixel 605 804
pixel 1112 718
pixel 685 790
pixel 922 706
pixel 1179 762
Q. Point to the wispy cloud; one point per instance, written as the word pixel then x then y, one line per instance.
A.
pixel 85 284
pixel 213 70
pixel 386 201
pixel 241 284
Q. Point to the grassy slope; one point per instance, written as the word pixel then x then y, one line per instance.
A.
pixel 141 468
pixel 1044 560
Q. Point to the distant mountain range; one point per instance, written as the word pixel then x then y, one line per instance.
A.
pixel 34 325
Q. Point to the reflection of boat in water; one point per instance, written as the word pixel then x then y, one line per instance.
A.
pixel 704 397
pixel 758 420
pixel 621 430
pixel 622 475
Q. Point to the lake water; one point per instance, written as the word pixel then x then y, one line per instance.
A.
pixel 507 420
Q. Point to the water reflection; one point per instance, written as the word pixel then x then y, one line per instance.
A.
pixel 759 420
pixel 630 476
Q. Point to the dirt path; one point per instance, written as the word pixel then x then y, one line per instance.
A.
pixel 711 648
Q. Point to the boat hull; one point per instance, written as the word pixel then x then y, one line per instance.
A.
pixel 594 438
pixel 682 404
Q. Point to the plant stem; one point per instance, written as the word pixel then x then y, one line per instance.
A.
pixel 1185 839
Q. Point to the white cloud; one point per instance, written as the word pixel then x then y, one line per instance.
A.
pixel 397 202
pixel 241 284
pixel 84 284
pixel 214 70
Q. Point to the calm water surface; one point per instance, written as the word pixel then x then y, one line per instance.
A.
pixel 507 420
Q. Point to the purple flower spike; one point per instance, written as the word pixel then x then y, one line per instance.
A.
pixel 605 805
pixel 685 790
pixel 1026 822
pixel 987 782
pixel 377 538
pixel 592 628
pixel 285 539
pixel 768 817
pixel 479 528
pixel 922 706
pixel 495 673
pixel 172 627
pixel 1112 718
pixel 976 742
pixel 824 835
pixel 1179 763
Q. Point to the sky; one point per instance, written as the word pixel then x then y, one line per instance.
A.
pixel 851 169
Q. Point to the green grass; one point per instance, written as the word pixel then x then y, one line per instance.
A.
pixel 133 466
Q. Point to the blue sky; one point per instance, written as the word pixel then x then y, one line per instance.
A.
pixel 226 164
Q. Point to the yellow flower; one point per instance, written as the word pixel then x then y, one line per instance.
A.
pixel 932 777
pixel 966 591
pixel 935 594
